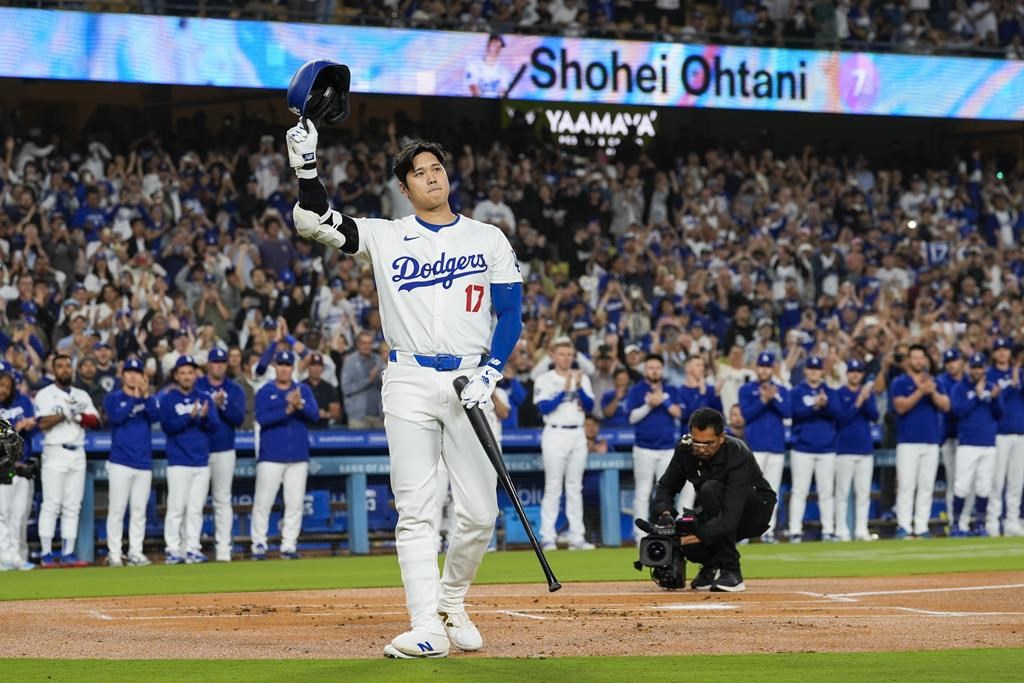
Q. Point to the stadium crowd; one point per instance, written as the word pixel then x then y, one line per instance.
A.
pixel 161 251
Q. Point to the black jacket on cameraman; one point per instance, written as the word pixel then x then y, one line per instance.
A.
pixel 734 501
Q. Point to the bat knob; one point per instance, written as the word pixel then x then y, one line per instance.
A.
pixel 460 383
pixel 553 586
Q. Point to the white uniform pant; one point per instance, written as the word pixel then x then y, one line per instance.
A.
pixel 15 504
pixel 974 470
pixel 63 478
pixel 222 473
pixel 187 488
pixel 648 466
pixel 802 466
pixel 855 470
pixel 425 422
pixel 565 459
pixel 947 453
pixel 128 487
pixel 271 476
pixel 772 465
pixel 916 466
pixel 1008 475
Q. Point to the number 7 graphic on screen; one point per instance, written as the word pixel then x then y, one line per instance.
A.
pixel 471 305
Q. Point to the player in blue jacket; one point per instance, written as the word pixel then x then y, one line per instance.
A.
pixel 614 412
pixel 284 410
pixel 189 418
pixel 765 403
pixel 978 405
pixel 855 450
pixel 953 364
pixel 229 400
pixel 130 411
pixel 919 404
pixel 1009 463
pixel 16 497
pixel 815 408
pixel 654 409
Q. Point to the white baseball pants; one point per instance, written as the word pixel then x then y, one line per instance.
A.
pixel 648 466
pixel 564 453
pixel 442 522
pixel 1008 476
pixel 803 466
pixel 855 471
pixel 916 467
pixel 425 422
pixel 222 473
pixel 271 476
pixel 772 466
pixel 63 478
pixel 15 506
pixel 128 487
pixel 947 454
pixel 187 488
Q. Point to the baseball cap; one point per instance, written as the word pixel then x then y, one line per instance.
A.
pixel 134 365
pixel 185 360
pixel 978 360
pixel 5 367
pixel 181 333
pixel 284 358
pixel 287 276
pixel 316 359
pixel 269 323
pixel 217 355
pixel 1001 343
pixel 100 345
pixel 950 355
pixel 633 348
pixel 765 321
pixel 337 283
pixel 814 363
pixel 766 360
pixel 854 365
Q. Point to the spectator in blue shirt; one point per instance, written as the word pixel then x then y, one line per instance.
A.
pixel 919 404
pixel 854 451
pixel 978 405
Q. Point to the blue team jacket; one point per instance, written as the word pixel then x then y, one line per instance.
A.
pixel 691 399
pixel 188 437
pixel 232 415
pixel 284 437
pixel 814 431
pixel 853 424
pixel 765 432
pixel 621 416
pixel 977 418
pixel 657 431
pixel 946 384
pixel 924 423
pixel 130 419
pixel 1012 421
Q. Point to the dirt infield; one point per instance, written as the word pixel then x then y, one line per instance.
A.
pixel 808 615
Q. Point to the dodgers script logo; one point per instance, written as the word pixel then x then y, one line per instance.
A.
pixel 412 274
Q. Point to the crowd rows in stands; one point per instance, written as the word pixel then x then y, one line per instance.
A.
pixel 163 247
pixel 989 27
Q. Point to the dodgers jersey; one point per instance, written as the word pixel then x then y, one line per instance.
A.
pixel 433 282
pixel 565 406
pixel 52 400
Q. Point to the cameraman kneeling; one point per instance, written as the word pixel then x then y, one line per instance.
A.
pixel 734 501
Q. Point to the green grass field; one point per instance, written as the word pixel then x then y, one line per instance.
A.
pixel 954 665
pixel 882 558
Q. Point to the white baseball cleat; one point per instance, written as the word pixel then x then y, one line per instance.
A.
pixel 581 545
pixel 417 644
pixel 1013 529
pixel 462 631
pixel 114 561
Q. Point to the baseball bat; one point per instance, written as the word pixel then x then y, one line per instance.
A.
pixel 483 432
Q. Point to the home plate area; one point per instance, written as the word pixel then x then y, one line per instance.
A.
pixel 626 618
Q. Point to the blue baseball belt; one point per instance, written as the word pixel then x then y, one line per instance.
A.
pixel 441 362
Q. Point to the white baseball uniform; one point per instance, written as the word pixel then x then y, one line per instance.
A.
pixel 63 464
pixel 15 498
pixel 433 283
pixel 563 446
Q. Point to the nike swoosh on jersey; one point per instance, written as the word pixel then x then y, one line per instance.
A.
pixel 410 238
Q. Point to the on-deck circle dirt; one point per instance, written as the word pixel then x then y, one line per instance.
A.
pixel 626 618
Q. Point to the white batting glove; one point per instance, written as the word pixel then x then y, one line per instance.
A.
pixel 480 388
pixel 302 139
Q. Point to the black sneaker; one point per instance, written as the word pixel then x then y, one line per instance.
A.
pixel 728 582
pixel 705 579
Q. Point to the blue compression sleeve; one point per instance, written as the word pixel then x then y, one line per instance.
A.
pixel 507 299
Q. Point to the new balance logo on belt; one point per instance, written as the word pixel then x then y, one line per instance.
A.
pixel 425 647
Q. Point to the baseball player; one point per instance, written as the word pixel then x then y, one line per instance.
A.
pixel 1009 464
pixel 64 413
pixel 919 404
pixel 229 400
pixel 130 411
pixel 954 374
pixel 189 418
pixel 764 404
pixel 16 495
pixel 858 410
pixel 654 409
pixel 815 408
pixel 440 278
pixel 564 397
pixel 284 411
pixel 978 404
